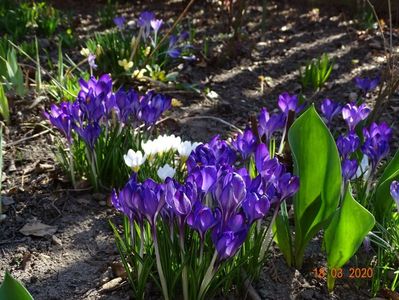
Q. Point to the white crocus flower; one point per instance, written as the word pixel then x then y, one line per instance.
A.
pixel 150 148
pixel 162 144
pixel 134 159
pixel 166 171
pixel 185 148
pixel 168 142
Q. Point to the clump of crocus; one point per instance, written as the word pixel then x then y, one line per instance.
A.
pixel 206 216
pixel 103 123
pixel 142 53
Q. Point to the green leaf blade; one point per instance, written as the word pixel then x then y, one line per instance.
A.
pixel 383 199
pixel 13 289
pixel 346 232
pixel 317 164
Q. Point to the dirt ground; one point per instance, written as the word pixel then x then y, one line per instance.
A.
pixel 75 259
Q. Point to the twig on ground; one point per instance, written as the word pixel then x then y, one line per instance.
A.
pixel 28 138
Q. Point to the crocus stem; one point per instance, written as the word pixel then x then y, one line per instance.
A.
pixel 184 271
pixel 159 265
pixel 71 166
pixel 201 250
pixel 208 276
pixel 132 234
pixel 90 159
pixel 141 250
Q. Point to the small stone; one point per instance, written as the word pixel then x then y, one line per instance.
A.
pixel 102 203
pixel 12 167
pixel 260 46
pixel 56 241
pixel 111 285
pixel 2 217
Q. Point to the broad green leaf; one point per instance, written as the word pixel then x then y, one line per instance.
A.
pixel 383 199
pixel 317 164
pixel 347 230
pixel 13 289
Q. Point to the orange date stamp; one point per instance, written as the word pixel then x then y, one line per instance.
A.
pixel 351 273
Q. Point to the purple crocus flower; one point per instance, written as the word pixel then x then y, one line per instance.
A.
pixel 376 144
pixel 229 192
pixel 91 106
pixel 347 144
pixel 204 178
pixel 353 114
pixel 229 238
pixel 394 189
pixel 201 219
pixel 173 49
pixel 123 200
pixel 367 84
pixel 224 154
pixel 245 143
pixel 269 169
pixel 269 124
pixel 145 18
pixel 379 132
pixel 180 197
pixel 153 199
pixel 119 22
pixel 60 118
pixel 152 105
pixel 144 22
pixel 92 61
pixel 127 105
pixel 261 157
pixel 217 152
pixel 330 109
pixel 288 102
pixel 156 25
pixel 287 186
pixel 202 155
pixel 349 168
pixel 89 133
pixel 255 207
pixel 100 88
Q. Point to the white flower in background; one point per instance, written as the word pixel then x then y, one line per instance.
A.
pixel 150 148
pixel 363 169
pixel 185 148
pixel 162 144
pixel 169 142
pixel 166 171
pixel 134 159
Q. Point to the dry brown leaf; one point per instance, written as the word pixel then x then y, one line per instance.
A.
pixel 36 228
